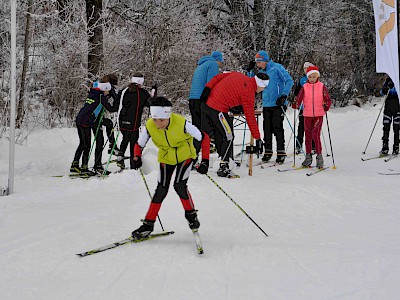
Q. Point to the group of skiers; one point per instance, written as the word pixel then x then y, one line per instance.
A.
pixel 212 96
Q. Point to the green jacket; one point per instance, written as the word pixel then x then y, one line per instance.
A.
pixel 174 144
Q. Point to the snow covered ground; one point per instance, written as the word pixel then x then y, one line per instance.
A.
pixel 334 235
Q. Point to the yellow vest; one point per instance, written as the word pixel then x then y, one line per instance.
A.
pixel 174 144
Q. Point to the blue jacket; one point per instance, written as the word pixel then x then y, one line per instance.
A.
pixel 280 83
pixel 206 70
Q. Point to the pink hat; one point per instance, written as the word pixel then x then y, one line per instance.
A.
pixel 312 69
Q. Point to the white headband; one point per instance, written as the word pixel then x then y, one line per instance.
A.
pixel 103 86
pixel 160 112
pixel 138 80
pixel 261 83
pixel 313 71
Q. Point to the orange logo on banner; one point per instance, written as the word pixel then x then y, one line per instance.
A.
pixel 388 25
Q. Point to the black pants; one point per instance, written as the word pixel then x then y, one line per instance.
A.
pixel 84 145
pixel 129 138
pixel 195 111
pixel 273 124
pixel 99 143
pixel 391 113
pixel 180 186
pixel 222 124
pixel 108 124
pixel 300 130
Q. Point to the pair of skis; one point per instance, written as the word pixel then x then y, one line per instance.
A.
pixel 313 172
pixel 387 158
pixel 129 240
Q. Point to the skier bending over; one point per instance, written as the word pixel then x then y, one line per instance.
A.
pixel 173 136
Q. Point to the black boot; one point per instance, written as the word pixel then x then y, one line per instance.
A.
pixel 281 155
pixel 267 156
pixel 224 170
pixel 100 170
pixel 143 231
pixel 385 149
pixel 191 217
pixel 395 150
pixel 75 167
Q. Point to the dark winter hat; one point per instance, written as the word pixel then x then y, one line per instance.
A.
pixel 217 56
pixel 160 107
pixel 262 55
pixel 313 69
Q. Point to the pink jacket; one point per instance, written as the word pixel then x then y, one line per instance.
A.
pixel 315 98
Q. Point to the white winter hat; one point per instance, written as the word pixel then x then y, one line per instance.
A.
pixel 307 64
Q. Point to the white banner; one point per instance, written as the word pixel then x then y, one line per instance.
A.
pixel 387 54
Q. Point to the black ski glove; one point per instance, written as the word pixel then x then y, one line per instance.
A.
pixel 203 167
pixel 259 146
pixel 204 95
pixel 281 100
pixel 136 164
pixel 251 66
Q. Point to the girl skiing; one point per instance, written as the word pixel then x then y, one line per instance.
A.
pixel 316 100
pixel 173 136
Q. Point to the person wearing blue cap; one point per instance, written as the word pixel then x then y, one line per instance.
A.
pixel 274 99
pixel 207 68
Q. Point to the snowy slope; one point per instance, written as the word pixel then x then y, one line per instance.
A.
pixel 334 235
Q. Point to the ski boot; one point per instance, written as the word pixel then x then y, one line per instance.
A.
pixel 280 158
pixel 121 162
pixel 99 170
pixel 143 231
pixel 224 171
pixel 299 150
pixel 385 150
pixel 267 156
pixel 84 171
pixel 308 161
pixel 191 217
pixel 395 150
pixel 320 161
pixel 75 167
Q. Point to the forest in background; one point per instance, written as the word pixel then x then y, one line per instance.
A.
pixel 63 46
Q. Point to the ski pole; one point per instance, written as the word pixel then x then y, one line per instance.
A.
pixel 148 190
pixel 376 122
pixel 290 125
pixel 95 136
pixel 237 205
pixel 294 144
pixel 112 151
pixel 291 133
pixel 330 141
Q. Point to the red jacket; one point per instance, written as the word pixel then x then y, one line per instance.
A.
pixel 233 89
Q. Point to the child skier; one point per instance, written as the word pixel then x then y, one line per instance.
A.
pixel 173 136
pixel 85 122
pixel 316 100
pixel 133 100
pixel 300 128
pixel 390 112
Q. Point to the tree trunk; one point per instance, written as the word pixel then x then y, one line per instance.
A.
pixel 25 64
pixel 95 34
